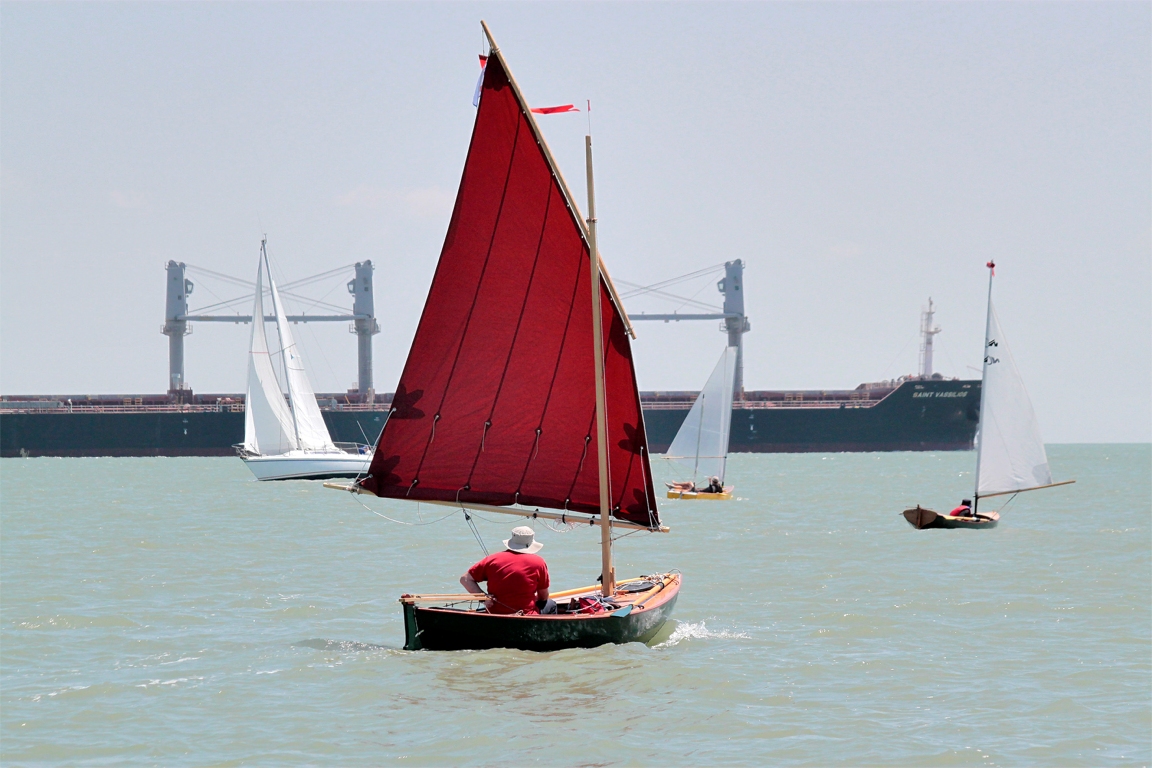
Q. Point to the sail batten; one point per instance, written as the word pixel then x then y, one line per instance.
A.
pixel 496 403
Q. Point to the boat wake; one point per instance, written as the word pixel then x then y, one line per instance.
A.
pixel 686 630
pixel 345 646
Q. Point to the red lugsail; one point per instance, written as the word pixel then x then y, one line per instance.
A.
pixel 496 404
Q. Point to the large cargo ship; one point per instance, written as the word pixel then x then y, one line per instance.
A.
pixel 910 414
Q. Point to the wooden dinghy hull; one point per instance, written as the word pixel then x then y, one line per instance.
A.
pixel 920 518
pixel 453 629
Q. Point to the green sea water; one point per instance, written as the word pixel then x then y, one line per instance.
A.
pixel 175 612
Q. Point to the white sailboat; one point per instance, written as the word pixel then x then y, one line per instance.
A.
pixel 287 440
pixel 701 444
pixel 1010 455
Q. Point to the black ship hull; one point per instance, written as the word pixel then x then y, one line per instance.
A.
pixel 930 415
pixel 210 433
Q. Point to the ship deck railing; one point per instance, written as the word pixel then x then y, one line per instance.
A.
pixel 757 405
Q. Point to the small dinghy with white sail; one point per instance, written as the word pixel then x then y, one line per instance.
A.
pixel 1010 456
pixel 282 440
pixel 701 444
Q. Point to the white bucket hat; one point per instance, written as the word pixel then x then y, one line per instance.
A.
pixel 523 541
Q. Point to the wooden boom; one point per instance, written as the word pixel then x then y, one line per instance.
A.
pixel 532 513
pixel 1022 490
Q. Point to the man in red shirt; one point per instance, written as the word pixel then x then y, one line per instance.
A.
pixel 964 510
pixel 517 577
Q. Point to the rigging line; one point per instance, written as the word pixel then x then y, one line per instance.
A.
pixel 221 276
pixel 472 525
pixel 894 359
pixel 638 288
pixel 1005 504
pixel 317 277
pixel 324 357
pixel 325 304
pixel 519 325
pixel 475 296
pixel 625 535
pixel 666 295
pixel 476 533
pixel 321 299
pixel 644 477
pixel 673 297
pixel 207 288
pixel 250 284
pixel 692 299
pixel 400 522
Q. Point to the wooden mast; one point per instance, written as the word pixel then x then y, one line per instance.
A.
pixel 607 573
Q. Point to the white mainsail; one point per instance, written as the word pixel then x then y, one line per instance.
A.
pixel 268 427
pixel 1010 455
pixel 311 431
pixel 702 442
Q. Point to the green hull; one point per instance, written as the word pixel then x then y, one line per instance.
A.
pixel 450 629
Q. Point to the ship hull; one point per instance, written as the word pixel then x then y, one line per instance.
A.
pixel 163 433
pixel 914 416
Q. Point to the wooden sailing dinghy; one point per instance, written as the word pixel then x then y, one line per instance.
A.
pixel 1010 455
pixel 519 393
pixel 701 443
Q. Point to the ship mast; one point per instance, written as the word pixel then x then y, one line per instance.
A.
pixel 607 573
pixel 926 334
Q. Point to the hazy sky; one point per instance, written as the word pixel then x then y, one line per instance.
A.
pixel 858 157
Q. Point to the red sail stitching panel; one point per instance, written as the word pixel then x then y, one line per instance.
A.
pixel 496 404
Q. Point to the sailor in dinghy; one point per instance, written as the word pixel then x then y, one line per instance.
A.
pixel 519 392
pixel 1010 456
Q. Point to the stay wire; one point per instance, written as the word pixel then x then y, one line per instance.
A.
pixel 401 522
pixel 475 531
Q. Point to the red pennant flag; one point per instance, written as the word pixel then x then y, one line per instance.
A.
pixel 992 266
pixel 480 82
pixel 554 110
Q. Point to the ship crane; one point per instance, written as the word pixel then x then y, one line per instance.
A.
pixel 733 320
pixel 177 317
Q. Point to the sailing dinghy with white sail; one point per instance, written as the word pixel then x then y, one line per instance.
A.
pixel 282 440
pixel 701 444
pixel 1010 456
